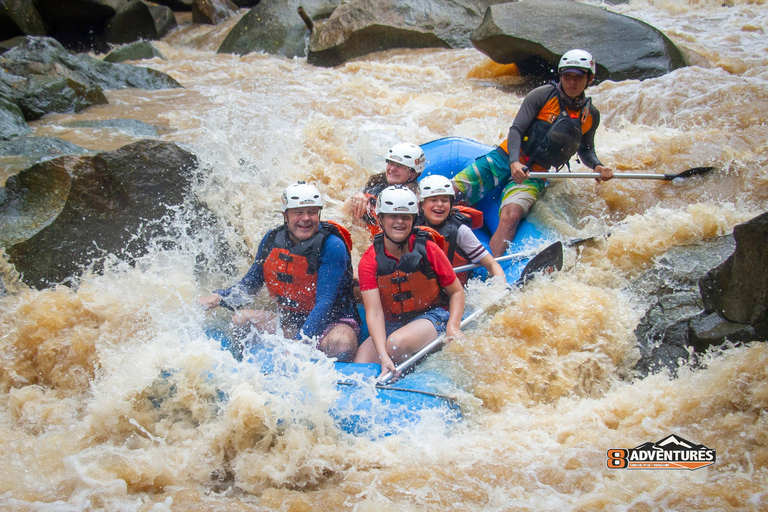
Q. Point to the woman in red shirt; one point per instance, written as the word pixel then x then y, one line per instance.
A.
pixel 407 283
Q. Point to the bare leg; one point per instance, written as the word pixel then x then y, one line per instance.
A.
pixel 340 342
pixel 407 340
pixel 509 218
pixel 246 319
pixel 366 353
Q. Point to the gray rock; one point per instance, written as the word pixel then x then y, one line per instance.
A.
pixel 20 17
pixel 44 94
pixel 134 51
pixel 129 126
pixel 114 203
pixel 535 34
pixel 40 147
pixel 212 12
pixel 712 329
pixel 139 19
pixel 738 289
pixel 275 27
pixel 360 27
pixel 12 122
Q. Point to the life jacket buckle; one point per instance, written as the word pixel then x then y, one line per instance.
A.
pixel 283 277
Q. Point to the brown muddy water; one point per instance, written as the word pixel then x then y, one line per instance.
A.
pixel 89 421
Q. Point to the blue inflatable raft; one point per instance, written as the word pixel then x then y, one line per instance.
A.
pixel 375 410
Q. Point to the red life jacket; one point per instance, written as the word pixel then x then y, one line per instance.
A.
pixel 407 287
pixel 449 230
pixel 290 270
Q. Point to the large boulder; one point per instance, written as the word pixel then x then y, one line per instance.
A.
pixel 673 301
pixel 274 26
pixel 139 19
pixel 78 24
pixel 39 76
pixel 72 211
pixel 738 289
pixel 534 35
pixel 27 151
pixel 20 17
pixel 360 27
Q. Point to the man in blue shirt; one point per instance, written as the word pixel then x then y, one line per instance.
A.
pixel 306 266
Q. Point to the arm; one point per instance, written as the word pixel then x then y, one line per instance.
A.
pixel 467 240
pixel 530 108
pixel 249 284
pixel 331 277
pixel 586 151
pixel 374 318
pixel 493 267
pixel 455 310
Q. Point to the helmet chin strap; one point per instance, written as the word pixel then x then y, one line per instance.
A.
pixel 400 245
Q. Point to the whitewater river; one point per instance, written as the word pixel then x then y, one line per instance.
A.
pixel 111 391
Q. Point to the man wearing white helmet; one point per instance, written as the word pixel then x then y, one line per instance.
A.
pixel 306 266
pixel 555 122
pixel 407 283
pixel 405 161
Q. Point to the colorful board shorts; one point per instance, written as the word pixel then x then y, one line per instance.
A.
pixel 491 170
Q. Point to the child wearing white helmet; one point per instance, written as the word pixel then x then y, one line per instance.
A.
pixel 405 162
pixel 555 122
pixel 410 292
pixel 455 224
pixel 306 266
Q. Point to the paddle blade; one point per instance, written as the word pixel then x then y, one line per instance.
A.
pixel 695 171
pixel 547 261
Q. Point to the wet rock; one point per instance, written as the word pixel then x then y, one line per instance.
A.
pixel 20 17
pixel 212 12
pixel 40 147
pixel 671 287
pixel 713 329
pixel 535 34
pixel 86 207
pixel 134 51
pixel 274 26
pixel 246 3
pixel 40 76
pixel 738 289
pixel 129 126
pixel 78 24
pixel 12 122
pixel 139 19
pixel 360 27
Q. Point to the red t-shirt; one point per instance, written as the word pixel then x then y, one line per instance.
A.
pixel 367 270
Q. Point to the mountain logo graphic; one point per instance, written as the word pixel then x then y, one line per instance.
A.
pixel 672 452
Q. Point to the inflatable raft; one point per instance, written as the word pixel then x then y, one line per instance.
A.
pixel 367 408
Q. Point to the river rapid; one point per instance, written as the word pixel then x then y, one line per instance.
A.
pixel 111 389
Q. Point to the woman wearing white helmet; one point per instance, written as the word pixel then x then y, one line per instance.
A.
pixel 407 283
pixel 306 266
pixel 455 224
pixel 405 162
pixel 555 122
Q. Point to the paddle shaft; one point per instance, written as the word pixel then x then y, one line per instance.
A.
pixel 427 349
pixel 622 175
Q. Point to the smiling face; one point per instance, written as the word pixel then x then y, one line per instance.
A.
pixel 436 209
pixel 399 174
pixel 303 223
pixel 574 84
pixel 397 226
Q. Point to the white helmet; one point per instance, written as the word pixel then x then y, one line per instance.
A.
pixel 300 195
pixel 397 199
pixel 435 185
pixel 576 59
pixel 410 155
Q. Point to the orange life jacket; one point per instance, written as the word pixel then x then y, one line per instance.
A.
pixel 554 136
pixel 290 270
pixel 409 286
pixel 449 231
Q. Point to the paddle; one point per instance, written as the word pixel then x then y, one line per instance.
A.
pixel 548 260
pixel 520 255
pixel 695 171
